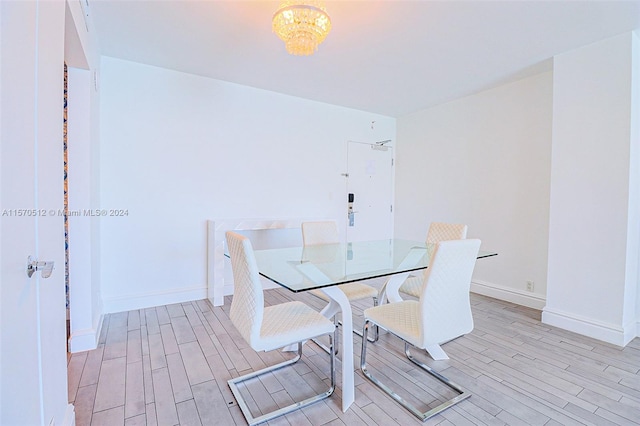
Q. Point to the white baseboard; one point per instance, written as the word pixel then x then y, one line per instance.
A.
pixel 148 300
pixel 69 416
pixel 607 332
pixel 530 300
pixel 87 339
pixel 610 333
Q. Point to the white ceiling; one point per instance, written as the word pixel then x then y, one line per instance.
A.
pixel 388 57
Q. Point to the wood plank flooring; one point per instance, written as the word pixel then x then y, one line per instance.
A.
pixel 169 365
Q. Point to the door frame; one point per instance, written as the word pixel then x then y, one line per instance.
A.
pixel 388 144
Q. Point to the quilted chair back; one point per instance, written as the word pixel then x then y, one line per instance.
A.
pixel 247 305
pixel 322 232
pixel 439 231
pixel 444 302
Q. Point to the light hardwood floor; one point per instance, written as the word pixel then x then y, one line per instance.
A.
pixel 169 365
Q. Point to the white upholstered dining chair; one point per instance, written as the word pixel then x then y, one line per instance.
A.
pixel 271 327
pixel 442 313
pixel 326 232
pixel 438 231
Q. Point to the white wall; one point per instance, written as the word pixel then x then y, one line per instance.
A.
pixel 1 207
pixel 635 144
pixel 484 160
pixel 81 56
pixel 594 207
pixel 178 149
pixel 84 289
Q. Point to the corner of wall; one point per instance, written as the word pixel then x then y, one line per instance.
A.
pixel 635 138
pixel 607 332
pixel 87 339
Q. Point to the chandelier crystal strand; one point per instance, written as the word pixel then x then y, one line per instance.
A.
pixel 302 25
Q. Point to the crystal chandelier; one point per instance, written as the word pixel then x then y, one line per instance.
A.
pixel 302 25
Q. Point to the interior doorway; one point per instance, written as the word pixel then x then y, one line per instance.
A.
pixel 80 179
pixel 369 200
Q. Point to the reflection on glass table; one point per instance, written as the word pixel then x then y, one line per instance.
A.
pixel 311 267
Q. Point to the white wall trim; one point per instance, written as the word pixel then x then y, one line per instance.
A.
pixel 69 416
pixel 151 299
pixel 530 300
pixel 87 339
pixel 607 332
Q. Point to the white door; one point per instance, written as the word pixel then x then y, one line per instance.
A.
pixel 32 310
pixel 370 181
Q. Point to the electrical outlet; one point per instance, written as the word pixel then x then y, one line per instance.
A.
pixel 530 286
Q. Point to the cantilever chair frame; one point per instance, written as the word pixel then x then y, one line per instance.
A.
pixel 251 420
pixel 250 295
pixel 442 314
pixel 462 394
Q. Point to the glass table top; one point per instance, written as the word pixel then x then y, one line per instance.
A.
pixel 311 267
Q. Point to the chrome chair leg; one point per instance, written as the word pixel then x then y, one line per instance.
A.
pixel 335 341
pixel 251 420
pixel 355 331
pixel 462 394
pixel 376 334
pixel 375 338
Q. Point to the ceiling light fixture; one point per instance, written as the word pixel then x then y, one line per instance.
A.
pixel 302 25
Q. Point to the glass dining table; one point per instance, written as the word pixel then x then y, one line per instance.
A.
pixel 326 266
